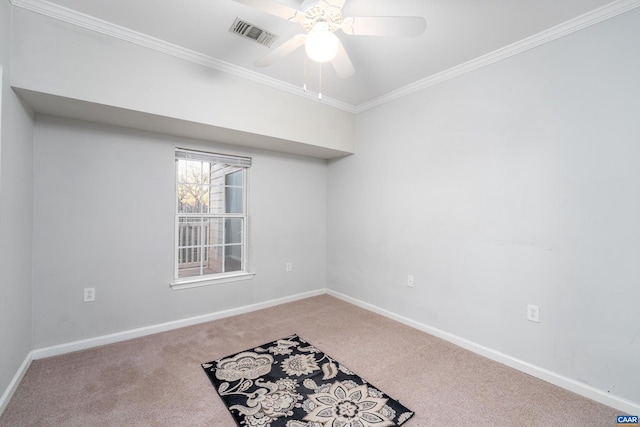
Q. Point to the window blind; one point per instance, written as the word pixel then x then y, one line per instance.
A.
pixel 184 154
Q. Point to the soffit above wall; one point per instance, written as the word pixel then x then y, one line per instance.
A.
pixel 55 105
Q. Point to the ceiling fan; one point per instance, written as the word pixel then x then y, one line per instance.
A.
pixel 320 19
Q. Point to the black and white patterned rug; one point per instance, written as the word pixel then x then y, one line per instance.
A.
pixel 290 383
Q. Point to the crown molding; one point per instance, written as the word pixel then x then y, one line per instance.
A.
pixel 583 21
pixel 79 19
pixel 88 22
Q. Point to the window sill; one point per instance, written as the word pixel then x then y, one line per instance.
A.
pixel 189 283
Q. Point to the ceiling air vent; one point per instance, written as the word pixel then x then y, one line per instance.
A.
pixel 250 31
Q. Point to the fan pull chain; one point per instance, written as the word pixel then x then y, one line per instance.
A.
pixel 304 85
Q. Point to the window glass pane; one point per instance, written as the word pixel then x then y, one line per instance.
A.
pixel 233 258
pixel 233 230
pixel 193 198
pixel 213 261
pixel 189 257
pixel 210 263
pixel 233 196
pixel 193 172
pixel 192 186
pixel 185 270
pixel 216 192
pixel 190 246
pixel 213 231
pixel 189 232
pixel 234 178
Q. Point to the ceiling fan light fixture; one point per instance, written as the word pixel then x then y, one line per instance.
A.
pixel 321 44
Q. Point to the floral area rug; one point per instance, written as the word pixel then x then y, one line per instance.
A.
pixel 290 383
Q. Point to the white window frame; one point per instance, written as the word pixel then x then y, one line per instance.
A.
pixel 217 278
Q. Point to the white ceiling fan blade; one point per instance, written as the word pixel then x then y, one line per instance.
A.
pixel 275 8
pixel 402 26
pixel 342 64
pixel 281 51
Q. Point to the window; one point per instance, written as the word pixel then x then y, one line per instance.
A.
pixel 211 218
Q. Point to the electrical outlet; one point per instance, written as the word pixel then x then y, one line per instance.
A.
pixel 89 294
pixel 288 267
pixel 410 281
pixel 533 313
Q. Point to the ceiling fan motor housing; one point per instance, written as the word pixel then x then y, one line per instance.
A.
pixel 316 11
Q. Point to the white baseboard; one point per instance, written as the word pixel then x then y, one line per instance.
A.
pixel 56 350
pixel 535 371
pixel 543 374
pixel 162 327
pixel 13 385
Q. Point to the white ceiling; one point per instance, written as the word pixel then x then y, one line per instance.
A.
pixel 458 31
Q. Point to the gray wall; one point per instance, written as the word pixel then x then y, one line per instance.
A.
pixel 104 218
pixel 515 184
pixel 16 199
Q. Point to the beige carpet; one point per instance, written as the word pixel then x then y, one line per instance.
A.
pixel 157 380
